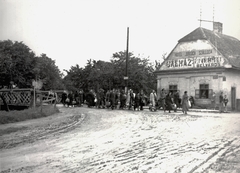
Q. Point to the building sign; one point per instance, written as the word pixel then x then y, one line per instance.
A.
pixel 194 53
pixel 196 62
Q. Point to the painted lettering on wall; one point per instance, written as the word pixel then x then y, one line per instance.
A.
pixel 196 62
pixel 204 52
pixel 193 53
pixel 189 53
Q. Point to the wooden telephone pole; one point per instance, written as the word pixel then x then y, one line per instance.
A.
pixel 126 70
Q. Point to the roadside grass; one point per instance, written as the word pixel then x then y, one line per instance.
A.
pixel 26 114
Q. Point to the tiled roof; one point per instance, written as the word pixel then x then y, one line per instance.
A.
pixel 228 46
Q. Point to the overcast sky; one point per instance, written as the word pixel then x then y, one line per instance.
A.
pixel 74 31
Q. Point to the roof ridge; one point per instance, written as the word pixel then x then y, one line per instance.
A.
pixel 196 34
pixel 216 33
pixel 204 35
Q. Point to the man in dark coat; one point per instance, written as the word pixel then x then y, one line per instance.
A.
pixel 163 99
pixel 221 102
pixel 123 98
pixel 101 98
pixel 113 98
pixel 169 102
pixel 64 97
pixel 70 97
pixel 176 99
pixel 137 101
pixel 90 96
pixel 142 100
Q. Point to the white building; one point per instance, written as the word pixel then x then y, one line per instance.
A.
pixel 201 63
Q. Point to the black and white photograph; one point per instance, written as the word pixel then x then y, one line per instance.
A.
pixel 120 86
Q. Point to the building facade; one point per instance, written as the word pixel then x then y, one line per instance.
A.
pixel 202 63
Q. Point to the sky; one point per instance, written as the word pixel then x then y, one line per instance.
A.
pixel 74 31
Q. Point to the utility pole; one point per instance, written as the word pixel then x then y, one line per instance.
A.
pixel 126 70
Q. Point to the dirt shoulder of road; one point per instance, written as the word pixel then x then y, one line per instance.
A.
pixel 14 134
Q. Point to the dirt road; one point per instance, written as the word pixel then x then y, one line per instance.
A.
pixel 101 140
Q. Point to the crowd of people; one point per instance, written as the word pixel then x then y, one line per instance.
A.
pixel 119 99
pixel 113 99
pixel 170 101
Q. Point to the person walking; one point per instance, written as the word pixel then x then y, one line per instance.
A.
pixel 107 99
pixel 142 100
pixel 76 98
pixel 162 99
pixel 130 99
pixel 169 102
pixel 185 104
pixel 101 98
pixel 123 97
pixel 153 99
pixel 81 97
pixel 70 97
pixel 113 98
pixel 64 97
pixel 176 99
pixel 90 96
pixel 213 101
pixel 137 101
pixel 225 101
pixel 221 102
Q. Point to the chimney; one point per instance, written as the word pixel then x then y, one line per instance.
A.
pixel 217 27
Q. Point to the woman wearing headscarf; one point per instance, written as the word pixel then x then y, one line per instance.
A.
pixel 185 104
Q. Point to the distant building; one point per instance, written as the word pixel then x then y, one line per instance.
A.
pixel 201 63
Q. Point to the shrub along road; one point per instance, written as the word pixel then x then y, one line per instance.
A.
pixel 102 140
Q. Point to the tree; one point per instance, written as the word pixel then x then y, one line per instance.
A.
pixel 108 75
pixel 158 64
pixel 96 74
pixel 46 70
pixel 74 78
pixel 140 72
pixel 16 64
pixel 19 65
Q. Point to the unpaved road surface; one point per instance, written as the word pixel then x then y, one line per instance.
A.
pixel 101 140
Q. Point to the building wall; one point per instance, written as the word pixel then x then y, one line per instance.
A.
pixel 232 80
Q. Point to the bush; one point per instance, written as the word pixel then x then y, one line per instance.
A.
pixel 26 114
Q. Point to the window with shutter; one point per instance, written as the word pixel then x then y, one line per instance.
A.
pixel 204 91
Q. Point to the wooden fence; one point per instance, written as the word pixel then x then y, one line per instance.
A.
pixel 24 97
pixel 17 97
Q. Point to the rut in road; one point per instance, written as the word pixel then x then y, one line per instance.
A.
pixel 41 132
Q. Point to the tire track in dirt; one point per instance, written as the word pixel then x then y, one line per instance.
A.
pixel 212 158
pixel 43 133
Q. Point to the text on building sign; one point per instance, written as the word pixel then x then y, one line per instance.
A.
pixel 196 62
pixel 193 53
